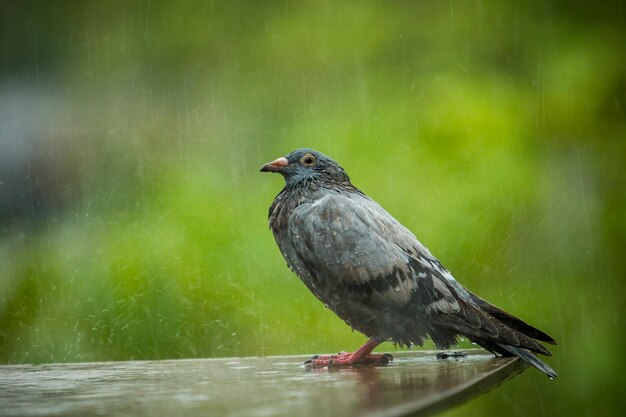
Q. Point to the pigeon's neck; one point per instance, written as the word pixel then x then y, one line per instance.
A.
pixel 303 192
pixel 285 202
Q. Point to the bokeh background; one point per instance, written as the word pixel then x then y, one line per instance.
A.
pixel 133 218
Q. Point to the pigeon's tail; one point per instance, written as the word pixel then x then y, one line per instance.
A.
pixel 529 358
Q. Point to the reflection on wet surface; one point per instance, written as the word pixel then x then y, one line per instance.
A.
pixel 249 386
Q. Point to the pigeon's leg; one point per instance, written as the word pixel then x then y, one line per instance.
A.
pixel 362 356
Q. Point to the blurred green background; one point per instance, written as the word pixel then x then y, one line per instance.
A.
pixel 133 218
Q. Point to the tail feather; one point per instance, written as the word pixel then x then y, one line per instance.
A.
pixel 529 358
pixel 512 321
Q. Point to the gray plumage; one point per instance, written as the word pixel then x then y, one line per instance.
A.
pixel 374 273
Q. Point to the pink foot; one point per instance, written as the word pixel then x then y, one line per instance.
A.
pixel 349 359
pixel 362 356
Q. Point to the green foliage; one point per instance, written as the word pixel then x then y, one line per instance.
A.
pixel 495 131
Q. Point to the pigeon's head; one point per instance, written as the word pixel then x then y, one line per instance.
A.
pixel 307 164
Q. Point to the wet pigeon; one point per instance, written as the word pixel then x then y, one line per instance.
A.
pixel 374 273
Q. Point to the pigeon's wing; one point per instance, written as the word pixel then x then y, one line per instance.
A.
pixel 350 245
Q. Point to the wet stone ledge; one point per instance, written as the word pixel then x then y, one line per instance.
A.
pixel 415 384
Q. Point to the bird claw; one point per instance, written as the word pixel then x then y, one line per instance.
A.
pixel 451 354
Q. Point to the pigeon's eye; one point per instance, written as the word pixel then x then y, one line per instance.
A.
pixel 307 160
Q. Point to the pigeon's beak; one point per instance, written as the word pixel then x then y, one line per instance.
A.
pixel 276 165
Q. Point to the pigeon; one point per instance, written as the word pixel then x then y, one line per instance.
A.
pixel 374 274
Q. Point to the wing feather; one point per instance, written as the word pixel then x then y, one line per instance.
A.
pixel 360 247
